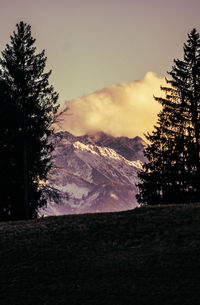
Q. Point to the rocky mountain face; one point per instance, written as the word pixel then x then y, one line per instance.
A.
pixel 94 173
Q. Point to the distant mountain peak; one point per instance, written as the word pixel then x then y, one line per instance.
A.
pixel 97 171
pixel 130 148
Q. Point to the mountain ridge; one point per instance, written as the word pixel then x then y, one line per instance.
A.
pixel 98 173
pixel 123 145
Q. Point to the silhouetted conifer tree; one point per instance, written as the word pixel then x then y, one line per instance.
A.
pixel 28 108
pixel 7 127
pixel 172 172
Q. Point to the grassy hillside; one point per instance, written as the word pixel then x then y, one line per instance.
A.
pixel 149 255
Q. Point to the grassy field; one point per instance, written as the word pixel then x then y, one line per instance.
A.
pixel 145 256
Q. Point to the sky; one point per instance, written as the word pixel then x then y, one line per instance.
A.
pixel 94 45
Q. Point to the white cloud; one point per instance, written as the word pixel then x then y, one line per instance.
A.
pixel 127 109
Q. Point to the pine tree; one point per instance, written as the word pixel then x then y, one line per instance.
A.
pixel 27 124
pixel 172 172
pixel 6 144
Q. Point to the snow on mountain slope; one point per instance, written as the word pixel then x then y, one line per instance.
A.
pixel 95 172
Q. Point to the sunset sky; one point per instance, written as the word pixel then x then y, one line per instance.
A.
pixel 92 45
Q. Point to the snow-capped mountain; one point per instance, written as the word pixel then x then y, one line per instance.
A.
pixel 98 173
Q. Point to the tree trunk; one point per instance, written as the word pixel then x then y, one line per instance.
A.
pixel 26 195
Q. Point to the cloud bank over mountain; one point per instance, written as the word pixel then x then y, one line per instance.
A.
pixel 126 109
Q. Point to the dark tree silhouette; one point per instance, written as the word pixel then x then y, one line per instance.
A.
pixel 172 173
pixel 7 127
pixel 28 109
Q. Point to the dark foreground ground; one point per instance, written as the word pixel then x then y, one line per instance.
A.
pixel 145 256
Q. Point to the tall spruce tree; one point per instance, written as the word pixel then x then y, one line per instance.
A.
pixel 172 172
pixel 28 109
